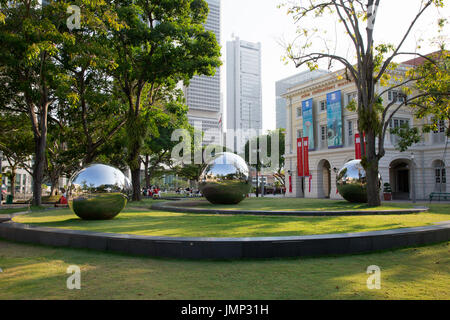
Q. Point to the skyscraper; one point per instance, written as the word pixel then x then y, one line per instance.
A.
pixel 244 93
pixel 203 95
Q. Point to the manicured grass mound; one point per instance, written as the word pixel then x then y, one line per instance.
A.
pixel 137 220
pixel 36 272
pixel 298 204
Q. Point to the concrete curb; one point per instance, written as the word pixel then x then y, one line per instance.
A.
pixel 229 248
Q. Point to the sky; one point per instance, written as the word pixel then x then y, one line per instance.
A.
pixel 261 21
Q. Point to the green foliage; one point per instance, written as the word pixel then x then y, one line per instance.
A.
pixel 432 103
pixel 407 136
pixel 258 141
pixel 158 145
pixel 434 79
pixel 161 44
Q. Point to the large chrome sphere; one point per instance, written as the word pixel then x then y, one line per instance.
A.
pixel 98 192
pixel 225 179
pixel 351 182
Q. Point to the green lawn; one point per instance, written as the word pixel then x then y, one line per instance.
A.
pixel 37 272
pixel 22 209
pixel 139 220
pixel 298 204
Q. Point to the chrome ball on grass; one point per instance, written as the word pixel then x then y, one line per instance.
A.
pixel 226 179
pixel 98 192
pixel 351 182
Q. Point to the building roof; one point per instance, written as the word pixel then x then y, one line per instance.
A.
pixel 420 60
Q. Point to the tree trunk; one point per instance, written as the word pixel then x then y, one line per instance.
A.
pixel 89 158
pixel 136 181
pixel 13 182
pixel 371 167
pixel 135 167
pixel 135 129
pixel 55 186
pixel 38 169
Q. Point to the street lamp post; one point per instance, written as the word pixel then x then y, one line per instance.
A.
pixel 413 182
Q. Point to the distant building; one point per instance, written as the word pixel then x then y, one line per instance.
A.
pixel 203 95
pixel 281 88
pixel 244 93
pixel 311 112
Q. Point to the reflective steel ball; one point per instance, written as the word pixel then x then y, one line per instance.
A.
pixel 225 179
pixel 351 182
pixel 98 192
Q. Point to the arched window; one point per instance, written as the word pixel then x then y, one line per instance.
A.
pixel 440 176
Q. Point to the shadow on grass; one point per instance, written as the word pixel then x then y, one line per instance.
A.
pixel 37 272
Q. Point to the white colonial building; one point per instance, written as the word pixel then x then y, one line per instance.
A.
pixel 417 172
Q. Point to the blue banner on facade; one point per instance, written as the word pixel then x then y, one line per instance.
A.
pixel 334 116
pixel 308 122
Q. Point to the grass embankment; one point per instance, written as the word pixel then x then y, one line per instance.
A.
pixel 139 220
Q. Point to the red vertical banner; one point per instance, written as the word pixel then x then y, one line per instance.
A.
pixel 306 156
pixel 357 146
pixel 300 157
pixel 290 184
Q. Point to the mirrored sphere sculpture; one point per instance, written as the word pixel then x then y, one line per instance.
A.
pixel 225 179
pixel 98 192
pixel 351 182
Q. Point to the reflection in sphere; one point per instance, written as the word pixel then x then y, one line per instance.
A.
pixel 98 192
pixel 225 179
pixel 351 182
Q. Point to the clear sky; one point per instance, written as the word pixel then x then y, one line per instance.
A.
pixel 261 21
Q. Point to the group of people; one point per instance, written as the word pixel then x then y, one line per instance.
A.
pixel 153 192
pixel 188 191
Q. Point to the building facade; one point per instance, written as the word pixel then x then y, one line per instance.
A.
pixel 24 182
pixel 203 95
pixel 244 91
pixel 282 86
pixel 416 173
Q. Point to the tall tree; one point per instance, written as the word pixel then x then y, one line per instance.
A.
pixel 163 43
pixel 371 67
pixel 30 76
pixel 90 102
pixel 33 70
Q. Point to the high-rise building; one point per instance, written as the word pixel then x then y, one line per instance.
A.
pixel 281 88
pixel 244 93
pixel 203 95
